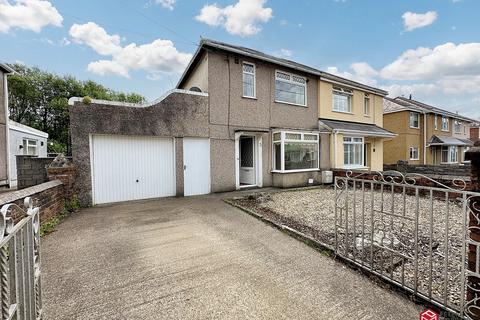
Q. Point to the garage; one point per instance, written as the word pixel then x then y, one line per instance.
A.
pixel 131 168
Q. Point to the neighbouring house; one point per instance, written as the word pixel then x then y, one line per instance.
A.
pixel 24 140
pixel 4 159
pixel 475 132
pixel 238 118
pixel 426 134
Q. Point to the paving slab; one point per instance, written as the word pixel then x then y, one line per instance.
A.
pixel 198 258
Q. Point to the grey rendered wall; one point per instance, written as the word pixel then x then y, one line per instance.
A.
pixel 3 133
pixel 230 112
pixel 178 115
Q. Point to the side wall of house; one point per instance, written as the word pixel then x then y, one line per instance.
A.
pixel 199 75
pixel 3 133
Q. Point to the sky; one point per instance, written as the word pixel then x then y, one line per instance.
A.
pixel 427 48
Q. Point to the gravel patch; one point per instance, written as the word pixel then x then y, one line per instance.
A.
pixel 313 213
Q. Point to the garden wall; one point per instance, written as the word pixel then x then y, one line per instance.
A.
pixel 431 170
pixel 48 196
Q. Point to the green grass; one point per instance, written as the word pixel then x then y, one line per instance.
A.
pixel 51 225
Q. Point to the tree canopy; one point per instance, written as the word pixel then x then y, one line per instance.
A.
pixel 39 99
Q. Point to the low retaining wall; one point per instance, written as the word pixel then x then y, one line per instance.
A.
pixel 49 196
pixel 445 170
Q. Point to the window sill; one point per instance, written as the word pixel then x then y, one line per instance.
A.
pixel 367 116
pixel 294 171
pixel 291 104
pixel 355 167
pixel 418 128
pixel 445 130
pixel 251 98
pixel 413 159
pixel 344 112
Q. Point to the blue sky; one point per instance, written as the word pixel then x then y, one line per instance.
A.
pixel 427 48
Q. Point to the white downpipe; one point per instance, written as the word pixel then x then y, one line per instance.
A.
pixel 7 127
pixel 335 132
pixel 424 138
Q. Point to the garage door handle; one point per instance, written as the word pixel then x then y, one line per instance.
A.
pixel 136 181
pixel 184 167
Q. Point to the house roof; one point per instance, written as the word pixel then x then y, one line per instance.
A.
pixel 206 44
pixel 365 129
pixel 12 125
pixel 401 104
pixel 5 68
pixel 448 141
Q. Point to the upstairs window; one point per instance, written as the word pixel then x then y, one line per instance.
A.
pixel 414 120
pixel 458 126
pixel 342 99
pixel 445 124
pixel 366 105
pixel 290 88
pixel 249 80
pixel 435 121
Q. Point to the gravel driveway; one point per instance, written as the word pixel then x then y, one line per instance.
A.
pixel 312 212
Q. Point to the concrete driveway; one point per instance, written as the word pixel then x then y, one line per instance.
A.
pixel 198 258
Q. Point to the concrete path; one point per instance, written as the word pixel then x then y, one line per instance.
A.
pixel 198 258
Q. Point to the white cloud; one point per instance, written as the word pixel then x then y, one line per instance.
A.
pixel 285 53
pixel 414 21
pixel 447 59
pixel 28 14
pixel 396 90
pixel 242 18
pixel 168 4
pixel 359 71
pixel 157 57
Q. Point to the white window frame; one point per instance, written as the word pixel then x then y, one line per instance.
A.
pixel 367 105
pixel 412 124
pixel 457 124
pixel 447 122
pixel 362 157
pixel 291 82
pixel 342 91
pixel 449 154
pixel 28 144
pixel 414 150
pixel 435 121
pixel 282 149
pixel 254 80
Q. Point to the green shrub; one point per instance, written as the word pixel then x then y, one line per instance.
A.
pixel 87 100
pixel 51 225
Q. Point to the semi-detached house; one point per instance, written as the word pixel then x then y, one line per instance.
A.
pixel 426 134
pixel 238 118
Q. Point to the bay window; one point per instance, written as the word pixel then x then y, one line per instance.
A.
pixel 295 151
pixel 353 149
pixel 449 154
pixel 248 80
pixel 290 88
pixel 342 100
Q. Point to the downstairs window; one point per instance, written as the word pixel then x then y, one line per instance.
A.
pixel 295 151
pixel 353 148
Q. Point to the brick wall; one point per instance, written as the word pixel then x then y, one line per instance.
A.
pixel 31 170
pixel 49 196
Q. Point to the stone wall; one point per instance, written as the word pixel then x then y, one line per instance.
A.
pixel 438 171
pixel 49 196
pixel 31 170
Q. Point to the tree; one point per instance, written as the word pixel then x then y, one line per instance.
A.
pixel 39 99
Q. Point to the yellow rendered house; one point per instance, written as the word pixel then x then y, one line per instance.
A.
pixel 425 134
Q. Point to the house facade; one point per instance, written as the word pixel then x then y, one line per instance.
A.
pixel 426 134
pixel 237 119
pixel 475 132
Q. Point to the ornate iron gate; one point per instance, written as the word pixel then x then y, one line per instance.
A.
pixel 20 285
pixel 416 237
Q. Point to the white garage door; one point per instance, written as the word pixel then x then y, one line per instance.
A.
pixel 132 168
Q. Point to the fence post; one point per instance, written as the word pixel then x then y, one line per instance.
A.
pixel 473 288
